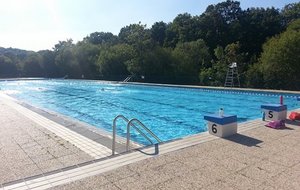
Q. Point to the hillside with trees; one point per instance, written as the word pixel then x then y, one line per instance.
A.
pixel 265 42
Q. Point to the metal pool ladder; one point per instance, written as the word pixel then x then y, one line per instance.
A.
pixel 130 123
pixel 128 78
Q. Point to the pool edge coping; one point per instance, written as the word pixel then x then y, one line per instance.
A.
pixel 163 85
pixel 214 87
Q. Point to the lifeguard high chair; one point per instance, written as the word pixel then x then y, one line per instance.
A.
pixel 232 76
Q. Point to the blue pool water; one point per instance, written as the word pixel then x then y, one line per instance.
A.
pixel 169 112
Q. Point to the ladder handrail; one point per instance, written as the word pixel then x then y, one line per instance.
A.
pixel 231 75
pixel 114 131
pixel 128 78
pixel 135 127
pixel 144 127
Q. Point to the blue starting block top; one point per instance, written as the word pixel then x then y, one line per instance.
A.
pixel 274 107
pixel 226 119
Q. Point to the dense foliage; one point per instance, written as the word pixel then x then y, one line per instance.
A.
pixel 189 50
pixel 280 60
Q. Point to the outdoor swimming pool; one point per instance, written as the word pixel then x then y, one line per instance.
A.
pixel 170 112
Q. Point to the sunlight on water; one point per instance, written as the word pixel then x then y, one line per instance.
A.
pixel 10 92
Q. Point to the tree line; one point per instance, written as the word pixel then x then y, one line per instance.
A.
pixel 265 42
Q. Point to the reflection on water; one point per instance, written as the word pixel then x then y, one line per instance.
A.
pixel 11 92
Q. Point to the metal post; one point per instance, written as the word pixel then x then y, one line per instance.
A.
pixel 128 136
pixel 114 137
pixel 129 124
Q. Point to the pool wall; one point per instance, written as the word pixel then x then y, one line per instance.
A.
pixel 235 90
pixel 245 90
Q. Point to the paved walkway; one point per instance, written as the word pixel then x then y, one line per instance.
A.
pixel 85 144
pixel 27 149
pixel 260 158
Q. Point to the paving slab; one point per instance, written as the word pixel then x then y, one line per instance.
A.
pixel 27 149
pixel 260 158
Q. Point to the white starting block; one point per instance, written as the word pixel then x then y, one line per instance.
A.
pixel 221 126
pixel 274 112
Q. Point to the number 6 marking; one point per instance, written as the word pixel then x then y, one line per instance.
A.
pixel 214 129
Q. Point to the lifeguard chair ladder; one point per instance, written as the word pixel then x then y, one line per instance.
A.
pixel 232 76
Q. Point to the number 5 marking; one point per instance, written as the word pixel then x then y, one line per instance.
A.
pixel 270 114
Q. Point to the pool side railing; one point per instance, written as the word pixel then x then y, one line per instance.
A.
pixel 130 123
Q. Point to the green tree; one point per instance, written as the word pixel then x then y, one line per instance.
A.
pixel 291 12
pixel 184 28
pixel 33 66
pixel 86 55
pixel 219 24
pixel 158 32
pixel 136 35
pixel 7 67
pixel 171 38
pixel 139 38
pixel 254 75
pixel 214 75
pixel 280 60
pixel 259 24
pixel 97 38
pixel 294 26
pixel 113 61
pixel 66 60
pixel 157 65
pixel 190 57
pixel 48 60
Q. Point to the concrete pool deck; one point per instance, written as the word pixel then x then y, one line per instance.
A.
pixel 27 149
pixel 256 158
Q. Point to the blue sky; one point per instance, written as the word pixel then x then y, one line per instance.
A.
pixel 40 24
